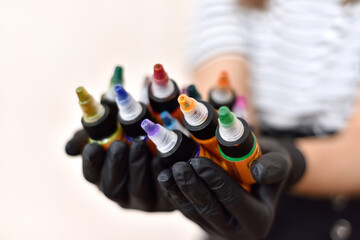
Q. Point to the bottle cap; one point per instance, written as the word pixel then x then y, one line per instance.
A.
pixel 160 76
pixel 117 77
pixel 192 92
pixel 131 113
pixel 92 110
pixel 240 147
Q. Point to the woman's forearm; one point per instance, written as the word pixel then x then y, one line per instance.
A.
pixel 333 163
pixel 332 166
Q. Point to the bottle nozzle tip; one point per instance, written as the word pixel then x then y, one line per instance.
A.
pixel 82 94
pixel 120 92
pixel 160 76
pixel 223 80
pixel 186 103
pixel 158 67
pixel 149 127
pixel 226 117
pixel 117 77
pixel 79 89
pixel 92 110
pixel 166 118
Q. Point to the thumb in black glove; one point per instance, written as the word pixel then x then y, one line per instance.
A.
pixel 207 195
pixel 126 175
pixel 77 143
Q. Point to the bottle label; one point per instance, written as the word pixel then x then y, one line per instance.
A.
pixel 212 146
pixel 239 168
pixel 202 152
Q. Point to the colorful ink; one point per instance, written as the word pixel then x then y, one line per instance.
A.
pixel 201 119
pixel 109 98
pixel 193 92
pixel 172 123
pixel 237 144
pixel 240 108
pixel 222 94
pixel 131 114
pixel 101 126
pixel 173 146
pixel 163 93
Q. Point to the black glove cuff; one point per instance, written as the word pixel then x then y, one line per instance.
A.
pixel 298 161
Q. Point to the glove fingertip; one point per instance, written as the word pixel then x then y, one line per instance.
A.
pixel 93 157
pixel 92 148
pixel 92 154
pixel 138 145
pixel 258 172
pixel 182 172
pixel 200 162
pixel 270 168
pixel 75 145
pixel 166 180
pixel 164 177
pixel 117 146
pixel 72 149
pixel 207 169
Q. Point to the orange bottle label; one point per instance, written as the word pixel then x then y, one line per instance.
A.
pixel 177 113
pixel 238 170
pixel 205 153
pixel 212 146
pixel 241 167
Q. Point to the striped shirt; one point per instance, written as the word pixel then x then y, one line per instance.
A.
pixel 304 57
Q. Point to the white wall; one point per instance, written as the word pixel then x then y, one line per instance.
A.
pixel 47 49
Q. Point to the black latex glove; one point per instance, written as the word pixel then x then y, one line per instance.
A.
pixel 77 143
pixel 207 195
pixel 126 175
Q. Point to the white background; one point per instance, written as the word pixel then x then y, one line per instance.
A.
pixel 47 49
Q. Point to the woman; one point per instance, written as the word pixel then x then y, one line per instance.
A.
pixel 298 61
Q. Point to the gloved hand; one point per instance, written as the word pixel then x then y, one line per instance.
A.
pixel 77 143
pixel 126 175
pixel 207 195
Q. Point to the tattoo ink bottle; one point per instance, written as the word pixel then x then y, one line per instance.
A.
pixel 240 108
pixel 131 114
pixel 163 93
pixel 173 146
pixel 201 119
pixel 193 92
pixel 144 95
pixel 237 144
pixel 172 123
pixel 102 127
pixel 222 94
pixel 109 98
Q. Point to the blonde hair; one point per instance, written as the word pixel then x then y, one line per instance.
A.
pixel 261 4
